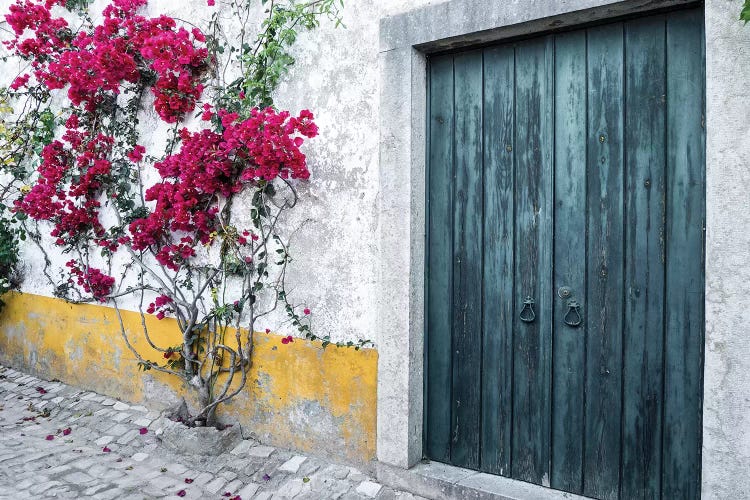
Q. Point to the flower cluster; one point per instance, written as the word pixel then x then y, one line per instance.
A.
pixel 159 304
pixel 82 186
pixel 73 207
pixel 92 280
pixel 50 34
pixel 124 48
pixel 267 142
pixel 208 165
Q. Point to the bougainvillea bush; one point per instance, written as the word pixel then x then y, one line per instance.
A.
pixel 191 229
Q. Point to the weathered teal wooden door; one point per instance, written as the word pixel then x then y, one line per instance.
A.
pixel 565 285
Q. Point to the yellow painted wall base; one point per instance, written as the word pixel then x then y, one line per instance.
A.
pixel 298 395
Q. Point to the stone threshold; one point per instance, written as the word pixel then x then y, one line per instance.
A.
pixel 441 481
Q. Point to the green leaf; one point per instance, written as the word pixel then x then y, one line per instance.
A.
pixel 745 14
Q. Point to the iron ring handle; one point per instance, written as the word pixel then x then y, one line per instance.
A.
pixel 573 307
pixel 528 305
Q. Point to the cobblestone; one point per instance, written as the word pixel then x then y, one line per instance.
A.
pixel 292 465
pixel 369 489
pixel 104 456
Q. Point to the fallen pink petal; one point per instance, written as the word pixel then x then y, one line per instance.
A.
pixel 188 480
pixel 181 493
pixel 67 431
pixel 143 431
pixel 106 450
pixel 50 437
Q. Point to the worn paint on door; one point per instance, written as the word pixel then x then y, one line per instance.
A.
pixel 565 284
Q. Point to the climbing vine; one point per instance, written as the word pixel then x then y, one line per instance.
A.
pixel 190 231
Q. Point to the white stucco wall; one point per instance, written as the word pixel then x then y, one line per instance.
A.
pixel 726 400
pixel 335 269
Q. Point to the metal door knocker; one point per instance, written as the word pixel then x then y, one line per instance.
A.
pixel 527 311
pixel 573 316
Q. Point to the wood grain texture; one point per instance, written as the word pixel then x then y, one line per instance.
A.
pixel 533 259
pixel 569 344
pixel 604 302
pixel 497 280
pixel 683 364
pixel 467 261
pixel 645 119
pixel 439 261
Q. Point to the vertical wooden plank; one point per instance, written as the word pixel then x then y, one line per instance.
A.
pixel 568 358
pixel 533 260
pixel 645 91
pixel 683 366
pixel 439 260
pixel 467 264
pixel 497 282
pixel 603 308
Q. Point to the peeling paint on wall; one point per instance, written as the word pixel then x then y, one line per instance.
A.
pixel 298 395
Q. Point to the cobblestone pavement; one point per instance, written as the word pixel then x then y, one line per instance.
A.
pixel 57 441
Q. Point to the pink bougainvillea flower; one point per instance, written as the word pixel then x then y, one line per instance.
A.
pixel 50 437
pixel 92 280
pixel 41 390
pixel 181 493
pixel 236 498
pixel 207 113
pixel 136 155
pixel 167 354
pixel 306 311
pixel 188 480
pixel 19 82
pixel 268 330
pixel 287 339
pixel 106 450
pixel 67 431
pixel 266 477
pixel 143 431
pixel 211 3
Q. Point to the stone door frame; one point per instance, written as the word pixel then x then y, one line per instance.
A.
pixel 405 42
